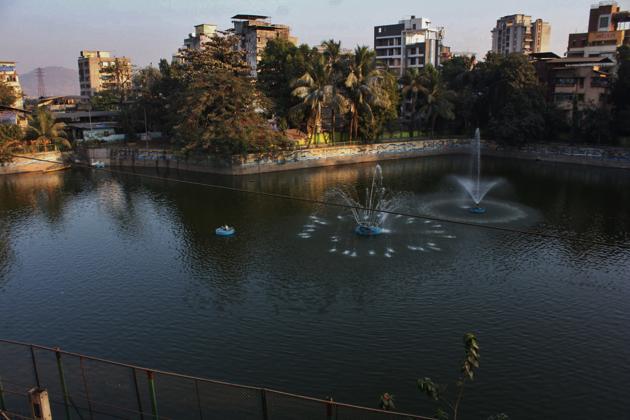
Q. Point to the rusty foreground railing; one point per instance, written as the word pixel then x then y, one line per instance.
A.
pixel 85 387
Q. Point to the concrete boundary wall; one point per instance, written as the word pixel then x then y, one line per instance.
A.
pixel 280 161
pixel 343 155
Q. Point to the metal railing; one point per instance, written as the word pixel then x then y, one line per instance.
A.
pixel 85 387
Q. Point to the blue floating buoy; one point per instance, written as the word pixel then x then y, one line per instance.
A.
pixel 365 230
pixel 477 210
pixel 225 231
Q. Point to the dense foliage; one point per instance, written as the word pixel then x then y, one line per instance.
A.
pixel 44 131
pixel 7 94
pixel 205 101
pixel 208 101
pixel 621 93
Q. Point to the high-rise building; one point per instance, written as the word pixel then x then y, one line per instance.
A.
pixel 519 34
pixel 96 72
pixel 608 29
pixel 255 31
pixel 411 43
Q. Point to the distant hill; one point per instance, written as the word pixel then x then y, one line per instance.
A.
pixel 58 81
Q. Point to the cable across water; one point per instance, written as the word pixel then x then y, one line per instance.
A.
pixel 341 205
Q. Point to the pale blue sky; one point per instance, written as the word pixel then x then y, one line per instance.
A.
pixel 52 32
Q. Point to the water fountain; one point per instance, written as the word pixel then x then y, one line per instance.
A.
pixel 474 185
pixel 369 215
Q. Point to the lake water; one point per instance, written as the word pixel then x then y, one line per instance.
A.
pixel 129 269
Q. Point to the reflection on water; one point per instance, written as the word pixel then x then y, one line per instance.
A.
pixel 129 268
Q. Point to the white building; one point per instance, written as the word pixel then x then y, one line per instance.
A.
pixel 411 43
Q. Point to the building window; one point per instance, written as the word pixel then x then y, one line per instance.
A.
pixel 604 21
pixel 380 30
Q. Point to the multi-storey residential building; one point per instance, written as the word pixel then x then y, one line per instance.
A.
pixel 519 34
pixel 574 82
pixel 13 114
pixel 255 31
pixel 95 72
pixel 9 75
pixel 608 29
pixel 203 33
pixel 411 43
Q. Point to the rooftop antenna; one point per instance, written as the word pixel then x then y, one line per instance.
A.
pixel 41 87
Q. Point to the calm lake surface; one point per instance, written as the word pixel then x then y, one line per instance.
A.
pixel 129 269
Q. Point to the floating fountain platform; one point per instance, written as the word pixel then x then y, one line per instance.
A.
pixel 365 230
pixel 477 210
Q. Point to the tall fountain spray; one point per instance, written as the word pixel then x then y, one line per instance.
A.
pixel 474 185
pixel 368 215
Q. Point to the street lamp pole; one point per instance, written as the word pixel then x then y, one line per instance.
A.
pixel 146 131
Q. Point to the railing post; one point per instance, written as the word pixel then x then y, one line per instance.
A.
pixel 40 405
pixel 85 387
pixel 62 380
pixel 198 400
pixel 152 393
pixel 3 406
pixel 35 371
pixel 263 397
pixel 329 409
pixel 135 383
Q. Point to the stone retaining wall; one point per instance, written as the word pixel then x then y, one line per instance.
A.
pixel 341 155
pixel 613 157
pixel 283 160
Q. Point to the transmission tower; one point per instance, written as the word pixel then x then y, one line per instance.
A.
pixel 41 87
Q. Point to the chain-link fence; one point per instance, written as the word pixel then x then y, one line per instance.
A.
pixel 83 387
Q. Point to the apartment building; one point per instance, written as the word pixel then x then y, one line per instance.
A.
pixel 410 43
pixel 255 32
pixel 608 29
pixel 9 75
pixel 13 114
pixel 520 34
pixel 574 82
pixel 96 72
pixel 203 33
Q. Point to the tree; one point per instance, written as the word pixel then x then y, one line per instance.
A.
pixel 7 94
pixel 337 102
pixel 412 89
pixel 364 85
pixel 621 92
pixel 437 392
pixel 46 131
pixel 11 136
pixel 280 65
pixel 428 96
pixel 510 102
pixel 436 99
pixel 314 89
pixel 596 124
pixel 220 107
pixel 457 74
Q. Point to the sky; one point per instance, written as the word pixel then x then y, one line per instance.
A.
pixel 40 33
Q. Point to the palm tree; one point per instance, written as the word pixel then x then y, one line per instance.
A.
pixel 364 88
pixel 313 88
pixel 437 100
pixel 412 89
pixel 336 100
pixel 47 131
